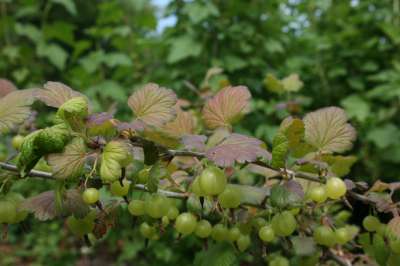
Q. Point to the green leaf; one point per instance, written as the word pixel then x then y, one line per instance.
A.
pixel 29 154
pixel 281 197
pixel 151 154
pixel 327 130
pixel 226 107
pixel 30 31
pixel 115 156
pixel 53 139
pixel 280 147
pixel 303 245
pixel 251 195
pixel 183 48
pixel 293 128
pixel 356 107
pixel 153 105
pixel 73 112
pixel 70 163
pixel 219 254
pixel 54 53
pixel 157 172
pixel 384 135
pixel 273 84
pixel 292 83
pixel 117 59
pixel 15 109
pixel 339 165
pixel 198 11
pixel 69 5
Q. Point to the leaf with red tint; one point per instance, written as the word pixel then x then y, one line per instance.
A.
pixel 237 148
pixel 135 125
pixel 226 107
pixel 54 94
pixel 153 105
pixel 44 205
pixel 6 87
pixel 194 142
pixel 183 124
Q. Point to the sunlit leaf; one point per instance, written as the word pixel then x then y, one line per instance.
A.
pixel 153 105
pixel 327 130
pixel 292 83
pixel 70 163
pixel 54 94
pixel 6 87
pixel 226 107
pixel 237 148
pixel 273 84
pixel 15 108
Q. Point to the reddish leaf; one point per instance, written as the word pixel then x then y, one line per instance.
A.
pixel 6 87
pixel 183 124
pixel 44 205
pixel 153 105
pixel 226 107
pixel 54 94
pixel 194 142
pixel 237 148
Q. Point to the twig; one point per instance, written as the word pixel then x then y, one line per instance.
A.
pixel 337 259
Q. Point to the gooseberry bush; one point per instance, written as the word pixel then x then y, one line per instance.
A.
pixel 191 169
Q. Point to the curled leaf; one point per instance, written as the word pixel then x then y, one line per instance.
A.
pixel 55 94
pixel 73 112
pixel 70 163
pixel 226 107
pixel 53 139
pixel 327 130
pixel 15 108
pixel 239 148
pixel 153 105
pixel 115 156
pixel 29 154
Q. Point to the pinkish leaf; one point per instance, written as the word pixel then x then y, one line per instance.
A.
pixel 226 107
pixel 153 105
pixel 183 124
pixel 194 142
pixel 135 125
pixel 54 94
pixel 6 87
pixel 239 148
pixel 44 205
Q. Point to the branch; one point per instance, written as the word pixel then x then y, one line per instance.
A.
pixel 46 175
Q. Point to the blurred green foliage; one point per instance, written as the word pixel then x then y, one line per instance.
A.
pixel 346 53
